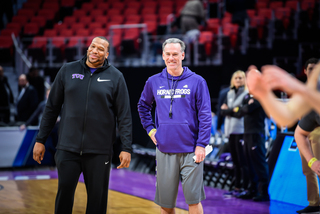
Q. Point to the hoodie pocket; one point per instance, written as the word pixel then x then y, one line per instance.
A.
pixel 174 136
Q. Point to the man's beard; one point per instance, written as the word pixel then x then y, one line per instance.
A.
pixel 93 61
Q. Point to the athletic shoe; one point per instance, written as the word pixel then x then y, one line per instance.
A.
pixel 231 193
pixel 309 209
pixel 245 195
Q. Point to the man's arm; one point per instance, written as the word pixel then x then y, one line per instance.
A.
pixel 123 113
pixel 49 117
pixel 312 98
pixel 301 137
pixel 285 114
pixel 226 111
pixel 278 78
pixel 248 106
pixel 52 109
pixel 204 116
pixel 311 93
pixel 144 108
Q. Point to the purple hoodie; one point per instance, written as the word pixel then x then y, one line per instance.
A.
pixel 190 125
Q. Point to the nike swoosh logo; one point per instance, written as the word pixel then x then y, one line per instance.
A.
pixel 104 80
pixel 106 163
pixel 161 86
pixel 253 148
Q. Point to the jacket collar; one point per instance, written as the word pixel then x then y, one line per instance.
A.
pixel 102 68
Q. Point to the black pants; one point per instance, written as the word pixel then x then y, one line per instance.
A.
pixel 240 166
pixel 255 152
pixel 96 172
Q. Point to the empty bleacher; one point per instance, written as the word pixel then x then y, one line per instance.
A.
pixel 268 24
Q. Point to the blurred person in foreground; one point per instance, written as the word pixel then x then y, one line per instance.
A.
pixel 94 97
pixel 181 130
pixel 304 98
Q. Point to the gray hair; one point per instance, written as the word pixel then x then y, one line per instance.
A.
pixel 174 40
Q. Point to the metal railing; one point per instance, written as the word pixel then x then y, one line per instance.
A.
pixel 145 41
pixel 22 64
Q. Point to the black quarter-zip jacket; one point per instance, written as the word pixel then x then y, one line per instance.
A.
pixel 90 105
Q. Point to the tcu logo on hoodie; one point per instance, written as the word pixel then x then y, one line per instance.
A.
pixel 77 76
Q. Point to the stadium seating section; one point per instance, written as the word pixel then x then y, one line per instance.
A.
pixel 68 26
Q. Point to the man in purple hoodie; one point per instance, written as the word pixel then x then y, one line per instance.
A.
pixel 181 129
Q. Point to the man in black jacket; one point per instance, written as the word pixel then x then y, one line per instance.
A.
pixel 254 148
pixel 27 100
pixel 94 96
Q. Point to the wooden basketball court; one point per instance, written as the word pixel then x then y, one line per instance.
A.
pixel 33 191
pixel 38 196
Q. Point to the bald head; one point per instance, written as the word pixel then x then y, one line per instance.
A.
pixel 23 80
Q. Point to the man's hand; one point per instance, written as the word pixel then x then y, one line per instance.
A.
pixel 38 152
pixel 236 109
pixel 153 138
pixel 125 159
pixel 224 106
pixel 200 154
pixel 23 127
pixel 316 167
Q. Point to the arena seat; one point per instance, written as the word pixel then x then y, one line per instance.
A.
pixel 37 49
pixel 86 20
pixel 275 4
pixel 8 32
pixel 50 33
pixel 205 42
